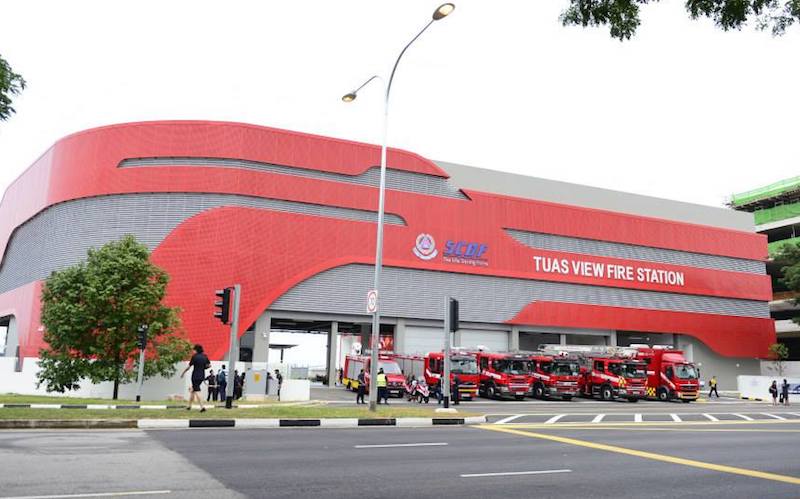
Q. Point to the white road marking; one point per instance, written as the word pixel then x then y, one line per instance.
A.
pixel 96 494
pixel 710 417
pixel 598 418
pixel 676 418
pixel 637 418
pixel 514 473
pixel 554 418
pixel 774 416
pixel 746 418
pixel 379 446
pixel 509 419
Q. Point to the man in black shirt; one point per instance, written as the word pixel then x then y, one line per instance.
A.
pixel 198 363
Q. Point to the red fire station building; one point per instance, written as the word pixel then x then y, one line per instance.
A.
pixel 291 217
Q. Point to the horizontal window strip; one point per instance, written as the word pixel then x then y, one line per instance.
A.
pixel 400 180
pixel 415 293
pixel 60 235
pixel 592 247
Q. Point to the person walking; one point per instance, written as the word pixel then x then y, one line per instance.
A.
pixel 381 384
pixel 773 390
pixel 198 364
pixel 456 393
pixel 279 378
pixel 713 384
pixel 222 384
pixel 437 391
pixel 211 380
pixel 362 387
pixel 237 385
pixel 785 392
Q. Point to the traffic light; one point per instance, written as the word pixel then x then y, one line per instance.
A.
pixel 453 311
pixel 223 305
pixel 143 336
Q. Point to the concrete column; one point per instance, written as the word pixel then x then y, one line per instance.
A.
pixel 513 339
pixel 400 336
pixel 366 331
pixel 612 339
pixel 333 348
pixel 456 339
pixel 261 338
pixel 563 338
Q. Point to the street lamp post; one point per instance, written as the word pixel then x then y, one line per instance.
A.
pixel 440 13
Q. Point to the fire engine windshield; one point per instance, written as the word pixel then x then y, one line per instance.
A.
pixel 463 365
pixel 633 370
pixel 509 366
pixel 389 367
pixel 565 369
pixel 685 371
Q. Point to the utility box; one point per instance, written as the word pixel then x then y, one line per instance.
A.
pixel 255 384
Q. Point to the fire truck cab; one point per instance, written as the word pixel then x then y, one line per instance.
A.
pixel 554 376
pixel 669 375
pixel 504 374
pixel 353 364
pixel 462 364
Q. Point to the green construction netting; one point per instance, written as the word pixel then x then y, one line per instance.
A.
pixel 775 246
pixel 765 192
pixel 780 212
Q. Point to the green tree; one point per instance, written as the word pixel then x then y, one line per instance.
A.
pixel 10 84
pixel 91 313
pixel 622 16
pixel 788 257
pixel 778 353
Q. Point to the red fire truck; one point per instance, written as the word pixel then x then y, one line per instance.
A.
pixel 554 376
pixel 353 364
pixel 609 376
pixel 430 366
pixel 504 374
pixel 669 375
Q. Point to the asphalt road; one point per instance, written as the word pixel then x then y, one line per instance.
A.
pixel 728 459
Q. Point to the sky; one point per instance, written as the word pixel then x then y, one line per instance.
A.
pixel 683 111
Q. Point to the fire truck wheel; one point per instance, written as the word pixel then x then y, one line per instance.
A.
pixel 538 391
pixel 663 394
pixel 491 392
pixel 606 393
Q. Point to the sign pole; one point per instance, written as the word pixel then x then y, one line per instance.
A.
pixel 142 346
pixel 446 357
pixel 233 351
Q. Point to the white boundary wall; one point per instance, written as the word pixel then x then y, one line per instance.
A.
pixel 158 388
pixel 757 387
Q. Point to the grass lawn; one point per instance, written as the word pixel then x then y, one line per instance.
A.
pixel 273 411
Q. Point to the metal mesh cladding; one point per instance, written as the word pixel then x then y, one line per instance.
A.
pixel 395 179
pixel 60 235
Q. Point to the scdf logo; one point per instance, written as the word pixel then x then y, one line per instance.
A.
pixel 425 247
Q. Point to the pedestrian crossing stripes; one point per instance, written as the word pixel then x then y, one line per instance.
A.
pixel 600 419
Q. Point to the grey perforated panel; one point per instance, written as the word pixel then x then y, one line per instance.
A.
pixel 60 235
pixel 395 179
pixel 420 294
pixel 632 252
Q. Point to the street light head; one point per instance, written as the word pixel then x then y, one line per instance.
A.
pixel 443 11
pixel 349 97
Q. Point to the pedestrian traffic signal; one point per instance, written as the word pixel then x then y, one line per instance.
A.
pixel 223 305
pixel 143 336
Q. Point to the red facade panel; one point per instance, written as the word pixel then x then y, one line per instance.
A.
pixel 269 252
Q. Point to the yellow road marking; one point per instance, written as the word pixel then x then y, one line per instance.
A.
pixel 534 426
pixel 757 430
pixel 648 455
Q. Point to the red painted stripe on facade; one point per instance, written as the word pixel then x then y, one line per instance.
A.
pixel 728 336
